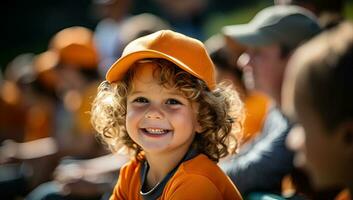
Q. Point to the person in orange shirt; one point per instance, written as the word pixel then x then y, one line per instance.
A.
pixel 161 102
pixel 224 52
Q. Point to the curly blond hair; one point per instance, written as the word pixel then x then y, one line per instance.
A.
pixel 220 111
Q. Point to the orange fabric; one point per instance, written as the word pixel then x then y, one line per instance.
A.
pixel 12 119
pixel 79 56
pixel 75 46
pixel 39 121
pixel 198 178
pixel 82 116
pixel 187 53
pixel 256 106
pixel 344 195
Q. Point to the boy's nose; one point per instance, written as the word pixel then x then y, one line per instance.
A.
pixel 153 113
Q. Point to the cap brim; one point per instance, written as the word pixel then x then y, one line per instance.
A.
pixel 121 66
pixel 247 35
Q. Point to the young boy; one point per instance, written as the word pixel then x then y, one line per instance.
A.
pixel 319 86
pixel 161 101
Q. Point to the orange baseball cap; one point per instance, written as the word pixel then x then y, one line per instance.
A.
pixel 187 53
pixel 75 45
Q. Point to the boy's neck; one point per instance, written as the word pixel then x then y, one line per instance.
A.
pixel 161 164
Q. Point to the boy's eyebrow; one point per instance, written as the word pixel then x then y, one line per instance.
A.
pixel 135 92
pixel 174 93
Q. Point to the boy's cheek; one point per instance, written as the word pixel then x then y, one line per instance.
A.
pixel 132 117
pixel 135 110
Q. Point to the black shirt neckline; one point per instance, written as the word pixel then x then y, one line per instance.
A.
pixel 157 190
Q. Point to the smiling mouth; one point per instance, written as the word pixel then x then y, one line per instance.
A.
pixel 155 131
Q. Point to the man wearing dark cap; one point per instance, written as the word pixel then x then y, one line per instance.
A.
pixel 270 38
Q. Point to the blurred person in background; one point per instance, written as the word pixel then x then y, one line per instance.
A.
pixel 270 38
pixel 140 25
pixel 19 163
pixel 73 56
pixel 185 16
pixel 224 53
pixel 12 117
pixel 329 12
pixel 67 73
pixel 75 59
pixel 317 95
pixel 112 14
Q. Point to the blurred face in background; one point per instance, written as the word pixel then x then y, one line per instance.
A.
pixel 322 149
pixel 113 9
pixel 183 9
pixel 267 66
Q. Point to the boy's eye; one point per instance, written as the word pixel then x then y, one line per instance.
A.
pixel 173 102
pixel 140 100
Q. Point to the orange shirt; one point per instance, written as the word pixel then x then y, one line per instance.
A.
pixel 256 107
pixel 197 178
pixel 344 195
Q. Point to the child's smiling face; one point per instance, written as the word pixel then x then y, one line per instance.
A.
pixel 159 119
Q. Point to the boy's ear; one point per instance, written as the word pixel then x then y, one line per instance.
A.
pixel 198 128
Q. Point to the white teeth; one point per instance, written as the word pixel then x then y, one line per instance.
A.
pixel 155 130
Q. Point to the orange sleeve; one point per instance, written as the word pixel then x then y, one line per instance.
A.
pixel 121 187
pixel 256 107
pixel 128 185
pixel 195 187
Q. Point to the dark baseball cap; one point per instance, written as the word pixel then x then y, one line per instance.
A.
pixel 283 24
